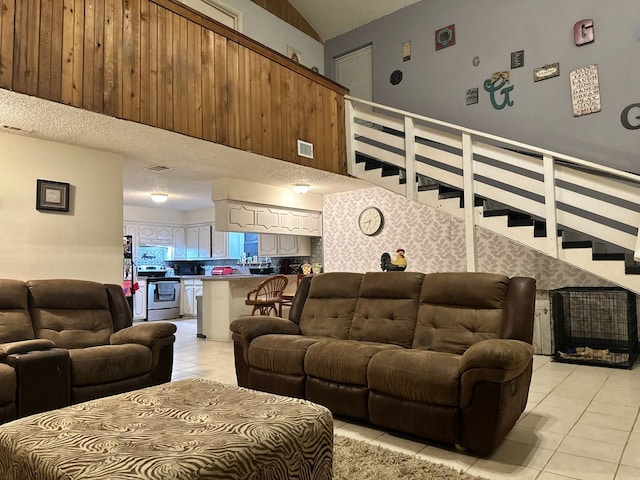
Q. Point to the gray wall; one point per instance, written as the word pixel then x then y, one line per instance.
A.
pixel 435 82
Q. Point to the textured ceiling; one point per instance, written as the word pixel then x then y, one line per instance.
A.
pixel 331 18
pixel 193 163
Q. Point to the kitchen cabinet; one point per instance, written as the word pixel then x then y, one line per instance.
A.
pixel 191 288
pixel 219 244
pixel 272 245
pixel 154 234
pixel 179 243
pixel 140 301
pixel 204 241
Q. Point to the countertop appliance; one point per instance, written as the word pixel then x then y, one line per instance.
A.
pixel 163 293
pixel 221 271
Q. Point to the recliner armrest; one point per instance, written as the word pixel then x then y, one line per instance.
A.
pixel 24 346
pixel 147 334
pixel 496 360
pixel 251 327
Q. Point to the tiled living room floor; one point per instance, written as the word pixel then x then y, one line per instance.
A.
pixel 580 422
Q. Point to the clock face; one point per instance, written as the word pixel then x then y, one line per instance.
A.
pixel 370 221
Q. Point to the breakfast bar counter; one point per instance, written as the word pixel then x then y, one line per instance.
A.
pixel 223 299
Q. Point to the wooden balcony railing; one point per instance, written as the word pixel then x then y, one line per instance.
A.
pixel 160 63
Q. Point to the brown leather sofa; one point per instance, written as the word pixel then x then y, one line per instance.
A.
pixel 442 356
pixel 68 341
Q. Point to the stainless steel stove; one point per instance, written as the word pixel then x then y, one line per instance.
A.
pixel 163 293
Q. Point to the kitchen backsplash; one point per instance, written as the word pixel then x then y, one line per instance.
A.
pixel 151 255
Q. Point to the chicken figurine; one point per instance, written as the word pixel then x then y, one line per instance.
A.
pixel 398 264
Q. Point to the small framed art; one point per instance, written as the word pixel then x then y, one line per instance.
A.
pixel 52 195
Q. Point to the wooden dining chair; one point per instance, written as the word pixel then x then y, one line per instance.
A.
pixel 267 296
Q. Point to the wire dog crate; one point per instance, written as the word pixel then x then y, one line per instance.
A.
pixel 594 326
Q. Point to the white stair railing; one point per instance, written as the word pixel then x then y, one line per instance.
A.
pixel 562 191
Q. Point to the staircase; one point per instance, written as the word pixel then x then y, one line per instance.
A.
pixel 576 211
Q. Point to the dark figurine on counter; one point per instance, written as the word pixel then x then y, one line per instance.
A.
pixel 398 264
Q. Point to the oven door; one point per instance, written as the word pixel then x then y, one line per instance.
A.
pixel 163 300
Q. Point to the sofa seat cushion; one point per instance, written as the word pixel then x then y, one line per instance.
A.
pixel 108 363
pixel 7 384
pixel 422 376
pixel 280 353
pixel 342 361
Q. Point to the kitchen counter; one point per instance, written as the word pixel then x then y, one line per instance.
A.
pixel 223 299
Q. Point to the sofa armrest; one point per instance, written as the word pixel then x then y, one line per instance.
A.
pixel 24 346
pixel 251 327
pixel 496 361
pixel 147 334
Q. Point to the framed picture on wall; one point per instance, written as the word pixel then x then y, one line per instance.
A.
pixel 293 54
pixel 52 195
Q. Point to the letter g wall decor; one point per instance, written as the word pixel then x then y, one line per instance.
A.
pixel 495 84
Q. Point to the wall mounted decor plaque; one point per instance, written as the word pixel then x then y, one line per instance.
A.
pixel 445 37
pixel 548 71
pixel 472 96
pixel 396 77
pixel 585 90
pixel 517 59
pixel 406 51
pixel 583 32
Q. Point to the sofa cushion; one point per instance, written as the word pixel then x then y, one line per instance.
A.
pixel 330 304
pixel 459 309
pixel 108 363
pixel 342 361
pixel 280 353
pixel 387 308
pixel 15 321
pixel 71 313
pixel 7 384
pixel 418 375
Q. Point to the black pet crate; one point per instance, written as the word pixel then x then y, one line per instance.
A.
pixel 594 326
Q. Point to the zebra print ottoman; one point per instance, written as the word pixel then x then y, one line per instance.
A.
pixel 189 429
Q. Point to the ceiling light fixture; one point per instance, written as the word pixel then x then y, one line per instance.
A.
pixel 300 188
pixel 159 197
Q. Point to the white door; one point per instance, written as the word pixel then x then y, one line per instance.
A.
pixel 355 71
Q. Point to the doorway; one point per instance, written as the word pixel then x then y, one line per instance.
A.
pixel 354 70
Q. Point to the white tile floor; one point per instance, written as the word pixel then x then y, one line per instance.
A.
pixel 580 422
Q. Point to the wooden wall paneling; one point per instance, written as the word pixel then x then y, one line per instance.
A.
pixel 78 54
pixel 57 15
pixel 255 101
pixel 276 110
pixel 319 136
pixel 191 79
pixel 306 116
pixel 183 87
pixel 88 52
pixel 233 94
pixel 111 37
pixel 153 54
pixel 244 91
pixel 44 50
pixel 291 123
pixel 135 60
pixel 176 72
pixel 27 25
pixel 341 161
pixel 7 30
pixel 97 49
pixel 164 63
pixel 265 80
pixel 207 59
pixel 145 63
pixel 331 109
pixel 198 80
pixel 68 22
pixel 220 88
pixel 169 46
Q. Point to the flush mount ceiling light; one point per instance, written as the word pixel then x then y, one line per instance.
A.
pixel 301 188
pixel 159 197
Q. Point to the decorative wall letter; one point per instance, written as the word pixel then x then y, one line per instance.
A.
pixel 495 84
pixel 585 90
pixel 583 32
pixel 626 116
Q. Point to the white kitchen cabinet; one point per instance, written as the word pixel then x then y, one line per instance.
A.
pixel 272 245
pixel 219 244
pixel 155 234
pixel 140 301
pixel 179 243
pixel 204 241
pixel 190 290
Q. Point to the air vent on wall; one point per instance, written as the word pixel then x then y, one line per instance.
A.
pixel 158 168
pixel 305 149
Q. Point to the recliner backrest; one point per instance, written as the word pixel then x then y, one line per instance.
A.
pixel 71 313
pixel 15 321
pixel 387 308
pixel 458 309
pixel 330 304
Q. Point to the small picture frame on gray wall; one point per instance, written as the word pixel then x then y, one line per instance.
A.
pixel 53 196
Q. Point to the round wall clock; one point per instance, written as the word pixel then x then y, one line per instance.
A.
pixel 371 221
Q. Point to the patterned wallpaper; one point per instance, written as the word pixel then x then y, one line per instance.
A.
pixel 434 242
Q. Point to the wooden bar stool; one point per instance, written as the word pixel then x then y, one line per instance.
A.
pixel 268 296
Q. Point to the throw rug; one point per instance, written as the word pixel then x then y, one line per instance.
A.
pixel 357 460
